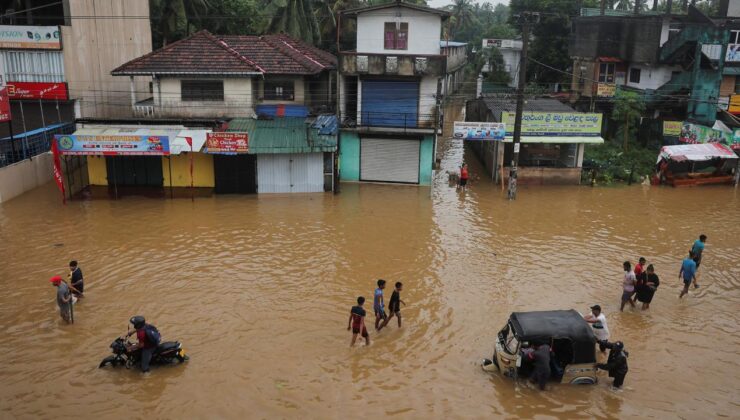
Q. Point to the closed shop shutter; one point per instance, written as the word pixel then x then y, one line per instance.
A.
pixel 390 103
pixel 389 160
pixel 285 173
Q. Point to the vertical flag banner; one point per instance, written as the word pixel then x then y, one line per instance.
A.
pixel 58 169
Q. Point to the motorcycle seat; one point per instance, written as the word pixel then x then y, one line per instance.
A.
pixel 167 345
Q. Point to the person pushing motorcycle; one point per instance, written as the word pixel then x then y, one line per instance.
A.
pixel 148 338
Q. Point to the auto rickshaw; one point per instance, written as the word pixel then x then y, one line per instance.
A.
pixel 570 337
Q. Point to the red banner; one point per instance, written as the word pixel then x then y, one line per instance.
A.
pixel 228 143
pixel 38 90
pixel 4 105
pixel 58 169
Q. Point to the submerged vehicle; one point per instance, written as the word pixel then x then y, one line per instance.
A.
pixel 166 353
pixel 570 337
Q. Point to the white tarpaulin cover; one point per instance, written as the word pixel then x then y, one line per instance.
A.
pixel 696 152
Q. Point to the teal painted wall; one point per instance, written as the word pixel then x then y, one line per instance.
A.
pixel 349 156
pixel 426 159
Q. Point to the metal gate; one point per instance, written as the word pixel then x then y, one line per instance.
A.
pixel 390 103
pixel 389 160
pixel 290 173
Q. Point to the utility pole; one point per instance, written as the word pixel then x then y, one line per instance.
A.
pixel 526 18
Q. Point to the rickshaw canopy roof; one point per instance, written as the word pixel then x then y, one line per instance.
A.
pixel 542 326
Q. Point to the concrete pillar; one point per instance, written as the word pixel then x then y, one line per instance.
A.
pixel 133 91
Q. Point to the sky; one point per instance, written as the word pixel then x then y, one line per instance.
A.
pixel 440 3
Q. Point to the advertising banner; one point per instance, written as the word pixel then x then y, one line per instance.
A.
pixel 4 99
pixel 30 37
pixel 736 139
pixel 111 145
pixel 38 90
pixel 672 128
pixel 227 143
pixel 58 170
pixel 565 124
pixel 479 130
pixel 695 134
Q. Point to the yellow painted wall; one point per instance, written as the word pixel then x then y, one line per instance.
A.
pixel 96 170
pixel 202 170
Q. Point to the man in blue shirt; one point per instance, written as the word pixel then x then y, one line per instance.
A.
pixel 698 249
pixel 687 273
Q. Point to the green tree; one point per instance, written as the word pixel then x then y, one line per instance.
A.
pixel 628 108
pixel 173 18
pixel 297 19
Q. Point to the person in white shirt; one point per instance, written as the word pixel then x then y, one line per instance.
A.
pixel 598 323
pixel 628 285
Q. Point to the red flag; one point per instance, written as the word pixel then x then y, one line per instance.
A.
pixel 190 142
pixel 58 169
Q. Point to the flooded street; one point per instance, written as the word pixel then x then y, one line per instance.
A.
pixel 258 290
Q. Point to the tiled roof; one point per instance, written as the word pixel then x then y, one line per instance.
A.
pixel 204 53
pixel 398 3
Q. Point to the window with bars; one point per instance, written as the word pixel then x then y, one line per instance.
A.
pixel 279 90
pixel 635 75
pixel 202 90
pixel 396 38
pixel 606 72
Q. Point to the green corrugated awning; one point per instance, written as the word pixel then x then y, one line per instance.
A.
pixel 731 71
pixel 558 140
pixel 283 135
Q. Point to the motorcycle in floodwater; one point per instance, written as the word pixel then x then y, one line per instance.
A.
pixel 167 352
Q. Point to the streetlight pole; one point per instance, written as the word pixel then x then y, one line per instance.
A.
pixel 526 18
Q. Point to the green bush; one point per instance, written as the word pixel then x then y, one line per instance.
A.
pixel 612 164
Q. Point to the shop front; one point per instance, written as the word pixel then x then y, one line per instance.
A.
pixel 154 162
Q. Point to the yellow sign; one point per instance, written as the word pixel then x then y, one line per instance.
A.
pixel 552 124
pixel 672 128
pixel 606 90
pixel 734 104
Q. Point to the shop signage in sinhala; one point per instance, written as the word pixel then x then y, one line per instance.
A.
pixel 479 130
pixel 563 124
pixel 227 143
pixel 606 90
pixel 696 134
pixel 111 145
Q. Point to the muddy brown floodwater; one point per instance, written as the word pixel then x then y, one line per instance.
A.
pixel 258 288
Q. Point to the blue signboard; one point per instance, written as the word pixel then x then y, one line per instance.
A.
pixel 479 130
pixel 111 145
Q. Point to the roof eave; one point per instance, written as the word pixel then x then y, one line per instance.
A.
pixel 186 73
pixel 354 12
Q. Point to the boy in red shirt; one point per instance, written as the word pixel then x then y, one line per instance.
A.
pixel 357 322
pixel 464 176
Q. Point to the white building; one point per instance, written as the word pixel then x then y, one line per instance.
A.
pixel 390 90
pixel 511 52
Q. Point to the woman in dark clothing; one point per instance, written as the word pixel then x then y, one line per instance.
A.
pixel 647 286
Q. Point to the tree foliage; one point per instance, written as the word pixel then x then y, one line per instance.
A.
pixel 628 108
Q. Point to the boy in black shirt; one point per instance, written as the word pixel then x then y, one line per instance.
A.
pixel 75 279
pixel 357 322
pixel 394 305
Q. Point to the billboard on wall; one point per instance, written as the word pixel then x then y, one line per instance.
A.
pixel 571 124
pixel 38 90
pixel 111 145
pixel 695 134
pixel 606 90
pixel 479 130
pixel 733 53
pixel 30 37
pixel 227 143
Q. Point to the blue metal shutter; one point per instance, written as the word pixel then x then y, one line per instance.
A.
pixel 390 103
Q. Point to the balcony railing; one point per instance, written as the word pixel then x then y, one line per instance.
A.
pixel 353 63
pixel 393 120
